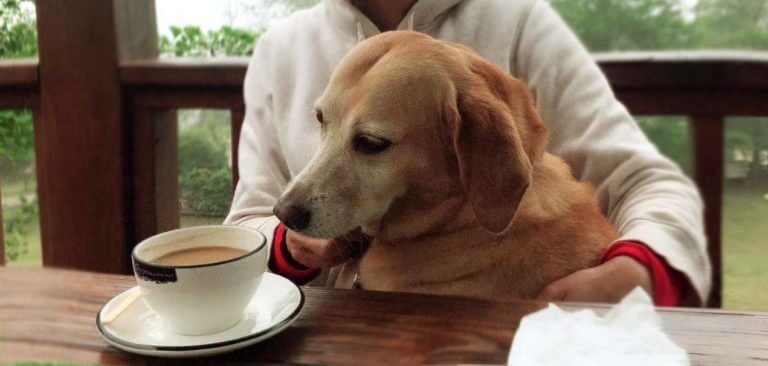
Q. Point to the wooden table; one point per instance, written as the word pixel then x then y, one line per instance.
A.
pixel 48 315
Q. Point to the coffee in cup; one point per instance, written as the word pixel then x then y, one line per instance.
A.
pixel 200 255
pixel 200 279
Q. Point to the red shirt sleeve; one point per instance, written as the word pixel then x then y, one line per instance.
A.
pixel 281 262
pixel 667 282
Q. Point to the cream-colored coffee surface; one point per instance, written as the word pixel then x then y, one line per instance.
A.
pixel 200 255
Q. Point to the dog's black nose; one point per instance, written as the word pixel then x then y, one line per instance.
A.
pixel 293 216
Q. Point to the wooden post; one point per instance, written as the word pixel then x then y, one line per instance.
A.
pixel 153 132
pixel 236 116
pixel 709 145
pixel 2 241
pixel 155 167
pixel 166 171
pixel 46 240
pixel 85 188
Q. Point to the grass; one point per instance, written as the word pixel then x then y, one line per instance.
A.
pixel 15 189
pixel 11 190
pixel 34 256
pixel 745 244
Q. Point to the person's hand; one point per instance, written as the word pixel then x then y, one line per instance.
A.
pixel 608 282
pixel 321 253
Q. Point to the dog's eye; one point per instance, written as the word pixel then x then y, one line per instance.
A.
pixel 319 115
pixel 370 145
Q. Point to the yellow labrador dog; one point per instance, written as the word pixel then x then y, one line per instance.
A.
pixel 440 157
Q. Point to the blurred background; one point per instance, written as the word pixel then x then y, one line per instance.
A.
pixel 215 29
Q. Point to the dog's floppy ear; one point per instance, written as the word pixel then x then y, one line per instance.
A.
pixel 494 162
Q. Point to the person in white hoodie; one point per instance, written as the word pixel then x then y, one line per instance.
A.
pixel 657 210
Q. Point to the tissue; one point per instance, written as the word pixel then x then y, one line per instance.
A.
pixel 630 334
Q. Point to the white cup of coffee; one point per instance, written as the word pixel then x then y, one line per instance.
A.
pixel 200 279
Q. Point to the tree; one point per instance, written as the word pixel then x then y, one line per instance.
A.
pixel 207 191
pixel 613 25
pixel 731 24
pixel 205 176
pixel 191 41
pixel 18 38
pixel 18 30
pixel 737 24
pixel 16 140
pixel 199 150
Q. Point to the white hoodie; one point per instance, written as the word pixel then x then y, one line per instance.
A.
pixel 643 193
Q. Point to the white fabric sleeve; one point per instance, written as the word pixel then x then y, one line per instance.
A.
pixel 263 171
pixel 643 193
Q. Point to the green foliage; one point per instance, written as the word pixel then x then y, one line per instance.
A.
pixel 740 132
pixel 751 135
pixel 731 24
pixel 199 149
pixel 16 224
pixel 191 41
pixel 207 191
pixel 609 25
pixel 18 30
pixel 16 136
pixel 672 137
pixel 204 172
pixel 744 245
pixel 18 38
pixel 615 25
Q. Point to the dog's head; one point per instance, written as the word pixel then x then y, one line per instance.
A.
pixel 404 112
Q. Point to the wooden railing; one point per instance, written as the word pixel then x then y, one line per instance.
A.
pixel 705 86
pixel 153 87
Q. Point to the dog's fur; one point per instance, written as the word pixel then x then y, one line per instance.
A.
pixel 466 201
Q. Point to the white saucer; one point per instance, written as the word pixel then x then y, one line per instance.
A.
pixel 139 329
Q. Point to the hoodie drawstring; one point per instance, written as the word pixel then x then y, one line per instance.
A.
pixel 360 33
pixel 409 22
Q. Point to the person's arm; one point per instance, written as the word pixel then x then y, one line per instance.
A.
pixel 644 194
pixel 263 170
pixel 264 175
